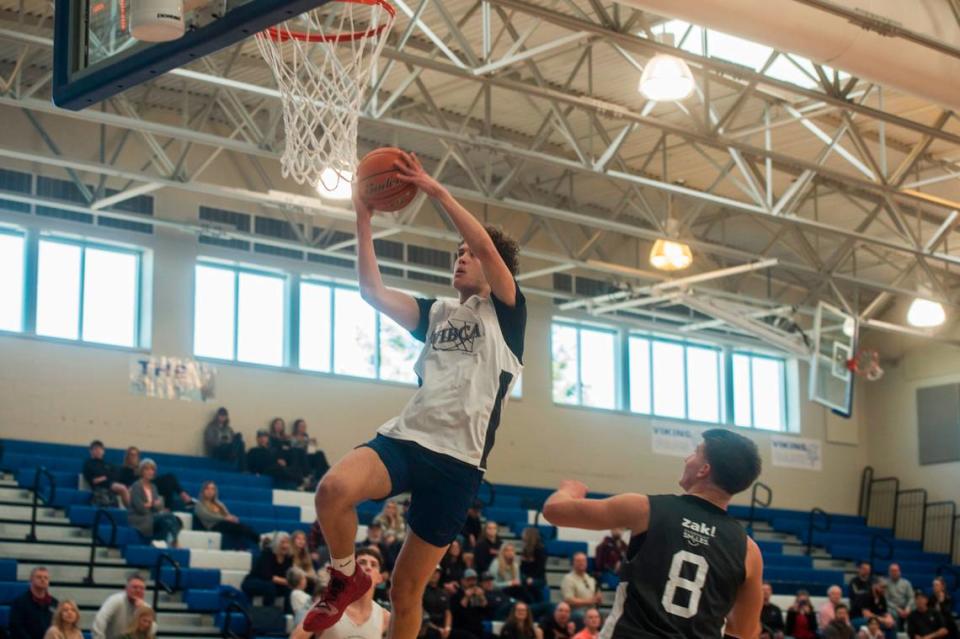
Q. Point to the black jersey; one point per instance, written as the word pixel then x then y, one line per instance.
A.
pixel 680 578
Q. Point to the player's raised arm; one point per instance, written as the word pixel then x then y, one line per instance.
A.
pixel 569 506
pixel 495 270
pixel 743 622
pixel 400 307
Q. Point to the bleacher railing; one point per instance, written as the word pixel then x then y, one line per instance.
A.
pixel 41 472
pixel 95 541
pixel 880 497
pixel 159 583
pixel 940 519
pixel 818 521
pixel 757 500
pixel 227 630
pixel 911 514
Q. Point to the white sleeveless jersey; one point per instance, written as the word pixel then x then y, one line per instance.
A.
pixel 346 629
pixel 466 369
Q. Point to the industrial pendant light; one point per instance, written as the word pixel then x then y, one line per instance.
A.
pixel 666 78
pixel 925 313
pixel 669 254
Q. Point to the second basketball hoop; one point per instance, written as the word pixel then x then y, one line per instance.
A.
pixel 322 62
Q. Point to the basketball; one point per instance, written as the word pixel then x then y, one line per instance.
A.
pixel 379 182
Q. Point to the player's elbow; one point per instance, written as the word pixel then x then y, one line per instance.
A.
pixel 371 295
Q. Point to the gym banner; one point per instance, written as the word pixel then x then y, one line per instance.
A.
pixel 676 441
pixel 172 378
pixel 796 452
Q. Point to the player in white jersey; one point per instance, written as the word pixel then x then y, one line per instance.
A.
pixel 364 618
pixel 437 448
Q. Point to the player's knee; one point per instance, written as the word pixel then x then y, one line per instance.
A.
pixel 405 594
pixel 331 492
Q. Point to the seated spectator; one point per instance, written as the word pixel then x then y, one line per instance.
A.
pixel 506 573
pixel 143 626
pixel 263 460
pixel 173 493
pixel 801 621
pixel 579 589
pixel 469 606
pixel 436 604
pixel 392 521
pixel 32 611
pixel 472 527
pixel 941 601
pixel 498 602
pixel 874 605
pixel 102 478
pixel 279 440
pixel 147 512
pixel 300 600
pixel 314 462
pixel 860 586
pixel 452 566
pixel 487 547
pixel 221 442
pixel 871 630
pixel 610 553
pixel 519 624
pixel 771 617
pixel 214 515
pixel 899 595
pixel 119 610
pixel 318 545
pixel 924 622
pixel 533 563
pixel 66 622
pixel 839 626
pixel 268 577
pixel 302 558
pixel 128 473
pixel 558 625
pixel 828 609
pixel 591 625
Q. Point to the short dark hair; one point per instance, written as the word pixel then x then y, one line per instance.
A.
pixel 507 247
pixel 919 594
pixel 841 606
pixel 96 443
pixel 734 459
pixel 371 551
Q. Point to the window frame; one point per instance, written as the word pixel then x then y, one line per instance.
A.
pixel 84 244
pixel 236 270
pixel 25 284
pixel 785 407
pixel 618 376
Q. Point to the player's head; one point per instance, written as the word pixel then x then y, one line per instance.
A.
pixel 724 460
pixel 369 560
pixel 468 275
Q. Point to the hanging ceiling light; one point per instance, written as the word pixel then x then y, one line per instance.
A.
pixel 335 185
pixel 926 313
pixel 668 254
pixel 666 78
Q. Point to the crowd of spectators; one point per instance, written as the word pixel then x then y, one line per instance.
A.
pixel 879 608
pixel 37 614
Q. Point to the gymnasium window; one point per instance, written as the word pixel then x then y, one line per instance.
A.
pixel 239 314
pixel 342 334
pixel 584 365
pixel 759 392
pixel 674 379
pixel 88 292
pixel 11 283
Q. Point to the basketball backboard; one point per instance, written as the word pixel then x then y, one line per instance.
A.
pixel 95 56
pixel 835 342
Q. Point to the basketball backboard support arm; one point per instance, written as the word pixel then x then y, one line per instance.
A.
pixel 77 86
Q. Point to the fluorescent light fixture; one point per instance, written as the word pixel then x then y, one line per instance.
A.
pixel 666 78
pixel 335 185
pixel 668 255
pixel 925 313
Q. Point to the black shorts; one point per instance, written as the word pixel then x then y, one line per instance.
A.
pixel 441 488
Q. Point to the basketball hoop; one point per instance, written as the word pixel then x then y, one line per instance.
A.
pixel 322 62
pixel 866 364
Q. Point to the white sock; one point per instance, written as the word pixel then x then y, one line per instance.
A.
pixel 347 565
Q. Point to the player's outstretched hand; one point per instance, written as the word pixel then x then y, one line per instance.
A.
pixel 574 488
pixel 412 172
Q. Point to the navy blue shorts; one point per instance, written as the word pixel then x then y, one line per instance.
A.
pixel 441 488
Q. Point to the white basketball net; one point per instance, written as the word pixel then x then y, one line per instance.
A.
pixel 322 62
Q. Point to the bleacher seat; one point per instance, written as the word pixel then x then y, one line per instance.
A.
pixel 4 616
pixel 558 548
pixel 10 590
pixel 8 569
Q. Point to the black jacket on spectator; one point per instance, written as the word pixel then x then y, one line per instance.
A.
pixel 792 616
pixel 485 552
pixel 436 603
pixel 93 468
pixel 945 609
pixel 452 568
pixel 266 567
pixel 552 630
pixel 924 623
pixel 514 631
pixel 837 630
pixel 771 617
pixel 261 460
pixel 471 526
pixel 29 619
pixel 467 618
pixel 876 605
pixel 534 567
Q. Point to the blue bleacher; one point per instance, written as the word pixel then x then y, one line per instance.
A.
pixel 8 569
pixel 4 616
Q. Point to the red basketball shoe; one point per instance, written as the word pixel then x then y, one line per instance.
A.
pixel 341 592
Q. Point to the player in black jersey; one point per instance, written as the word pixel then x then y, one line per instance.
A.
pixel 690 567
